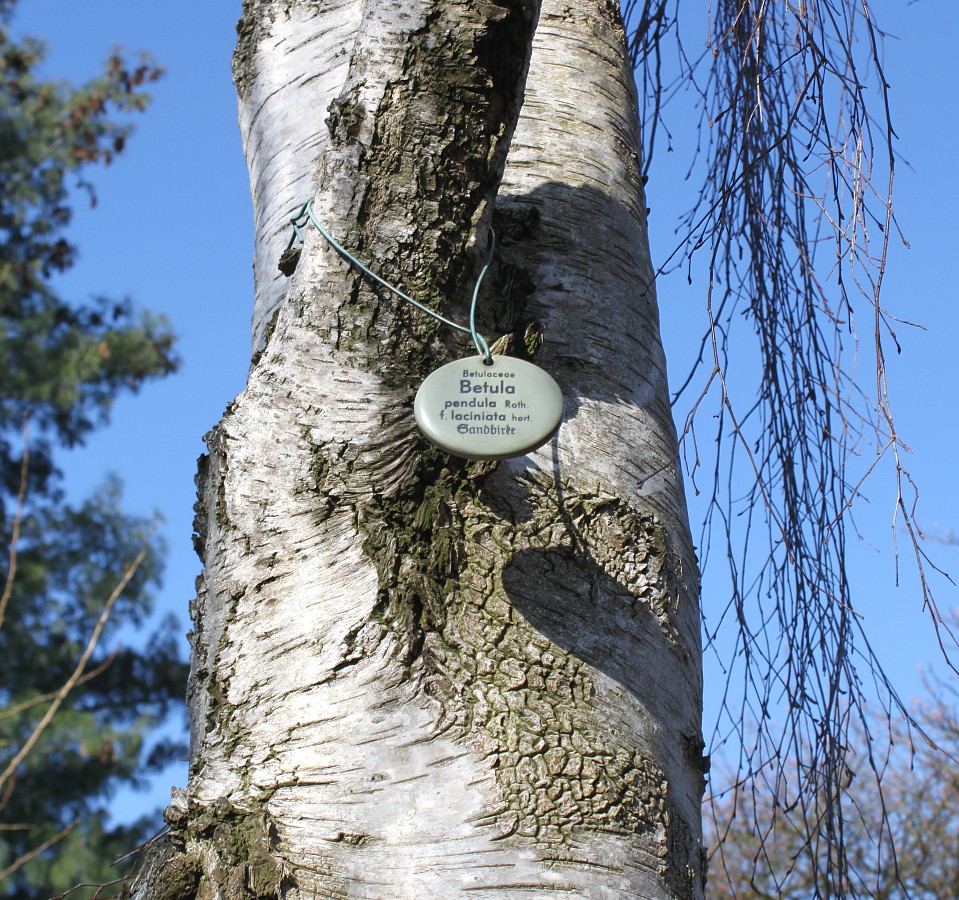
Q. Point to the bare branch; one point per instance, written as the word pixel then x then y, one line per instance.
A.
pixel 135 852
pixel 44 698
pixel 46 845
pixel 78 672
pixel 98 893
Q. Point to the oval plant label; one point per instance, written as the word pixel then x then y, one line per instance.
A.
pixel 480 411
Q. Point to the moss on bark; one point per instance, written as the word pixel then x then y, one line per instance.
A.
pixel 213 851
pixel 454 562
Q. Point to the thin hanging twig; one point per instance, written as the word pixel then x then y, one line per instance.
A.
pixel 794 218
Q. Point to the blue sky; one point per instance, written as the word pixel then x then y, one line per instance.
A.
pixel 172 229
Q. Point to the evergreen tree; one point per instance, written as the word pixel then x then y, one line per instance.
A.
pixel 75 711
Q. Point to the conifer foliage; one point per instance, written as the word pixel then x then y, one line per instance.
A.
pixel 75 711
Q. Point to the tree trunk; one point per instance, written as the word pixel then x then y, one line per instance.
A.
pixel 414 676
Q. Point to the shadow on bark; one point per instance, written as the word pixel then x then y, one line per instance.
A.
pixel 569 599
pixel 573 269
pixel 572 282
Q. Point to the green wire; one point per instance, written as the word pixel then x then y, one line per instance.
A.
pixel 306 215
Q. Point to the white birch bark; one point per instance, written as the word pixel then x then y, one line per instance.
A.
pixel 417 677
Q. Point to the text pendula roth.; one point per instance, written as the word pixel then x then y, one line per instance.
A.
pixel 495 411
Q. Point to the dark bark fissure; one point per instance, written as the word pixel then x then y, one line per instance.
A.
pixel 437 151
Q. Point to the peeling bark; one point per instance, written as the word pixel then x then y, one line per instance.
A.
pixel 415 676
